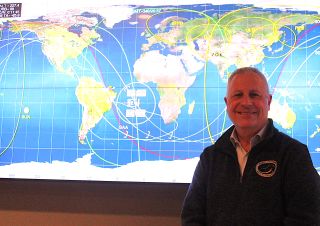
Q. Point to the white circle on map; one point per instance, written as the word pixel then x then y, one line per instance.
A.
pixel 26 110
pixel 147 93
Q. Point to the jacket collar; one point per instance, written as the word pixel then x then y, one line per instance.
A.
pixel 224 143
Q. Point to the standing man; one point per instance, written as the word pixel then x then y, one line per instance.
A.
pixel 253 174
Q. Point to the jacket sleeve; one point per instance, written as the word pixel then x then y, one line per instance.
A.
pixel 194 206
pixel 301 188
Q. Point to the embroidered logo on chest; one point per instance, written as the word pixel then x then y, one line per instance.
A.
pixel 266 168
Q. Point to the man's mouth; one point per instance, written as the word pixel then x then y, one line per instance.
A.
pixel 246 112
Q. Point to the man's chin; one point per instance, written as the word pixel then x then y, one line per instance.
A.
pixel 246 119
pixel 247 125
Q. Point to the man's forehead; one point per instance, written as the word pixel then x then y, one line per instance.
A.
pixel 248 78
pixel 240 85
pixel 243 79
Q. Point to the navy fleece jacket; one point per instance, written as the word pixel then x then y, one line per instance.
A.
pixel 279 185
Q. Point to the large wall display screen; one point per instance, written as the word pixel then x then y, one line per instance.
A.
pixel 134 91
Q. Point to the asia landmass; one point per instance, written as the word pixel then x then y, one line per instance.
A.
pixel 236 38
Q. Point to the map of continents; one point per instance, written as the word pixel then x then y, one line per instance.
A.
pixel 145 84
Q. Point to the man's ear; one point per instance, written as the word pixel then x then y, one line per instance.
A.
pixel 225 99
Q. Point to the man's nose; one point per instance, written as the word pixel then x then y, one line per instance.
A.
pixel 246 100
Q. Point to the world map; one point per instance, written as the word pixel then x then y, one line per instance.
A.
pixel 135 92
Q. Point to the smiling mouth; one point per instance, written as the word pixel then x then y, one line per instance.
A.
pixel 246 113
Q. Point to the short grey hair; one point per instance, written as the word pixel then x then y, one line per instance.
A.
pixel 244 70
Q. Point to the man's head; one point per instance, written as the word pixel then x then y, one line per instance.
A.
pixel 248 100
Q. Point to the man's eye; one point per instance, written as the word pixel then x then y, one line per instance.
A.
pixel 254 94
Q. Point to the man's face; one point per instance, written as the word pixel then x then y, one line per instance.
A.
pixel 248 102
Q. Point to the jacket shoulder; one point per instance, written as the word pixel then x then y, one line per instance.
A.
pixel 286 141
